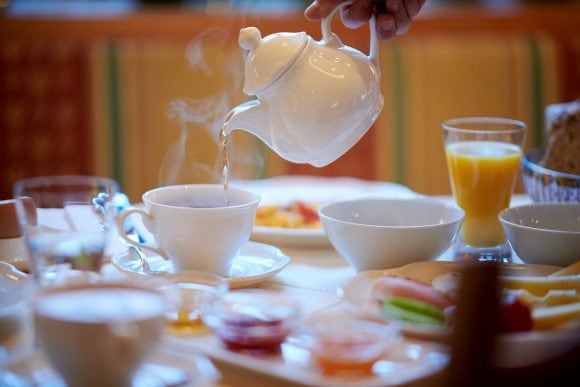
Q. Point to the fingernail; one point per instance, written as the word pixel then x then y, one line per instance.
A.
pixel 387 25
pixel 393 6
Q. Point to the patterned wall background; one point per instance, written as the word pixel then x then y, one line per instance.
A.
pixel 73 101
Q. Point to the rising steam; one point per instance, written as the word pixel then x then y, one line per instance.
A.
pixel 198 119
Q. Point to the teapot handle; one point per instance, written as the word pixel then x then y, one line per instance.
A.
pixel 374 42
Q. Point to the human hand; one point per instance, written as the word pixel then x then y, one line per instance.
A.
pixel 393 16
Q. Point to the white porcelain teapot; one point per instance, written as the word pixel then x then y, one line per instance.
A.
pixel 315 99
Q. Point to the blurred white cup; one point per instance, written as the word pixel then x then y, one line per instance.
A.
pixel 98 334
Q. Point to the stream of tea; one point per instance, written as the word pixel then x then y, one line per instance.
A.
pixel 225 161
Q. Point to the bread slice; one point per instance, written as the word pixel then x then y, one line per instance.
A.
pixel 563 131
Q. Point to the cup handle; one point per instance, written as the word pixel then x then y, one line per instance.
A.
pixel 120 223
pixel 328 36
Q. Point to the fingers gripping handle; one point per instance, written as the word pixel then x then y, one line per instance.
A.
pixel 374 41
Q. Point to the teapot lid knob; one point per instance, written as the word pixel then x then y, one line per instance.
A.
pixel 249 38
pixel 265 60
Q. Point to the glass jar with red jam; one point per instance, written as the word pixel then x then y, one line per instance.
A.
pixel 256 320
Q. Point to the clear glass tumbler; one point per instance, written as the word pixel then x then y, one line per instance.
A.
pixel 483 159
pixel 67 224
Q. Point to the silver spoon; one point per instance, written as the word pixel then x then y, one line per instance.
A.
pixel 142 258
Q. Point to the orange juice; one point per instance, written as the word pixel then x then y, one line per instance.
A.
pixel 483 175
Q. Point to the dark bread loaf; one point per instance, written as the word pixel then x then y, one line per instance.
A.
pixel 563 131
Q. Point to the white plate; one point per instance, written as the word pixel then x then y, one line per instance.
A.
pixel 255 263
pixel 517 349
pixel 167 366
pixel 283 190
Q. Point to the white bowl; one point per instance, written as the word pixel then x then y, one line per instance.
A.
pixel 544 233
pixel 380 233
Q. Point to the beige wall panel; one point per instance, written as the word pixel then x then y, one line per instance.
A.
pixel 463 77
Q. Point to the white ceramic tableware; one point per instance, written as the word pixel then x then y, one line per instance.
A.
pixel 379 233
pixel 193 226
pixel 98 334
pixel 544 233
pixel 315 99
pixel 255 263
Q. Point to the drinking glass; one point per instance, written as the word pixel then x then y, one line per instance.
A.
pixel 67 222
pixel 483 158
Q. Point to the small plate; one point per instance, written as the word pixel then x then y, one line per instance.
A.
pixel 517 349
pixel 255 263
pixel 167 366
pixel 282 190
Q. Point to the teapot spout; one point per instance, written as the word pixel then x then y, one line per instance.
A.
pixel 252 117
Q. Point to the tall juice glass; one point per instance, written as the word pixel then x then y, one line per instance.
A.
pixel 483 158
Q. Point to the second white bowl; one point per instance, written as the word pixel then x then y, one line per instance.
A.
pixel 544 233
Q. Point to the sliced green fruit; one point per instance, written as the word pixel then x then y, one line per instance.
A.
pixel 411 310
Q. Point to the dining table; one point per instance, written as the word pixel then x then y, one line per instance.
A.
pixel 314 277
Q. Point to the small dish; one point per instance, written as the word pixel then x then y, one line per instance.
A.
pixel 347 346
pixel 255 263
pixel 252 320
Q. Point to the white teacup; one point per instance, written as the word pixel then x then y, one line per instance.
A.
pixel 98 334
pixel 193 227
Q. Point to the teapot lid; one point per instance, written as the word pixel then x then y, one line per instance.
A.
pixel 268 58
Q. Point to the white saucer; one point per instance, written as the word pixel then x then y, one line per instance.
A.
pixel 255 263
